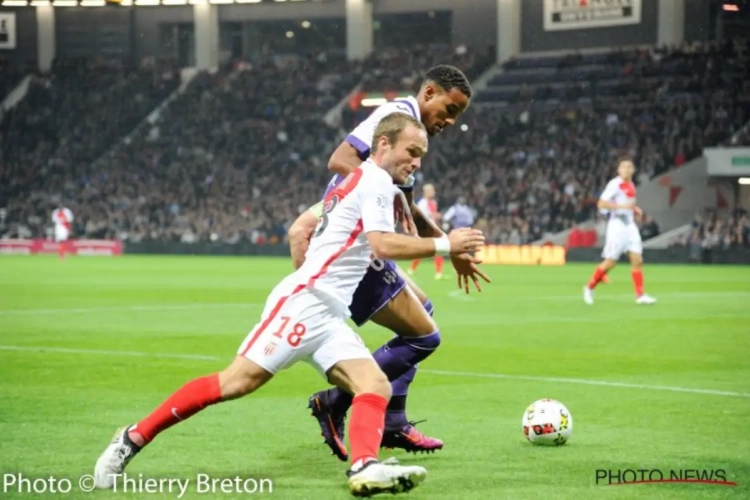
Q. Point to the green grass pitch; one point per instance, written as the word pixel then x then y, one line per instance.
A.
pixel 90 344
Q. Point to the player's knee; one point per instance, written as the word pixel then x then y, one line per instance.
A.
pixel 241 378
pixel 380 385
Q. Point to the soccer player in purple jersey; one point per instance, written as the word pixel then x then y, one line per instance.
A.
pixel 386 295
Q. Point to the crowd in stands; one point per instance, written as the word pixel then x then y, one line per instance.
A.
pixel 69 118
pixel 535 170
pixel 10 76
pixel 711 233
pixel 240 153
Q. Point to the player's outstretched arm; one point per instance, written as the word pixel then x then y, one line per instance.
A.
pixel 301 231
pixel 464 264
pixel 392 246
pixel 344 160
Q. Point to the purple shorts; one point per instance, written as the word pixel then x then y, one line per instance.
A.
pixel 380 284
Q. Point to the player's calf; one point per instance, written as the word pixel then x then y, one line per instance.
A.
pixel 240 378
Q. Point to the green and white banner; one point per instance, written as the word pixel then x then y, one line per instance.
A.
pixel 733 162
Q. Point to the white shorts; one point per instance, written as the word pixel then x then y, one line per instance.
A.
pixel 61 233
pixel 301 327
pixel 621 238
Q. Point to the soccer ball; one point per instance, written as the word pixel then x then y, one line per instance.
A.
pixel 547 422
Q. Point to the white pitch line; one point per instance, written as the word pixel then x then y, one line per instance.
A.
pixel 63 350
pixel 163 307
pixel 496 376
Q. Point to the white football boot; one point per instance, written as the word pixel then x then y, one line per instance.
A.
pixel 588 295
pixel 114 459
pixel 645 299
pixel 384 477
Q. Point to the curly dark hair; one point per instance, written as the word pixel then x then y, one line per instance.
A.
pixel 449 77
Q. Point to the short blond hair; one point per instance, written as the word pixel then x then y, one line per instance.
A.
pixel 391 127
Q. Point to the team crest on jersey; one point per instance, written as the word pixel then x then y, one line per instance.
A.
pixel 269 349
pixel 382 201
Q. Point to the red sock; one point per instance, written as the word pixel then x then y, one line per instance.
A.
pixel 439 264
pixel 414 265
pixel 183 404
pixel 366 427
pixel 637 275
pixel 599 274
pixel 61 249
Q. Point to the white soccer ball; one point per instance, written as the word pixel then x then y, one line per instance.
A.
pixel 547 422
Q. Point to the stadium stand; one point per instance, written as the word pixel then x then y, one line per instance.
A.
pixel 548 131
pixel 10 76
pixel 239 154
pixel 710 232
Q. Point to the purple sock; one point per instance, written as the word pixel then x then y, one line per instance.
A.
pixel 395 416
pixel 340 401
pixel 398 359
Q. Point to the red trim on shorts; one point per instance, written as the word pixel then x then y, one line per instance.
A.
pixel 342 190
pixel 349 242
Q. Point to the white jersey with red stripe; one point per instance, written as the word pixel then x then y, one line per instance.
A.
pixel 622 233
pixel 339 252
pixel 429 208
pixel 62 218
pixel 620 192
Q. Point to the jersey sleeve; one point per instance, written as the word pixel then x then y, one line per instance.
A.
pixel 361 137
pixel 610 191
pixel 377 208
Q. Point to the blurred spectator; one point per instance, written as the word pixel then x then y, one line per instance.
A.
pixel 648 228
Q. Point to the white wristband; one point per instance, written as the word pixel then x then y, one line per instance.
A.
pixel 442 245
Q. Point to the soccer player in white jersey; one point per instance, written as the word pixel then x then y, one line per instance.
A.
pixel 304 317
pixel 619 201
pixel 429 207
pixel 386 296
pixel 62 218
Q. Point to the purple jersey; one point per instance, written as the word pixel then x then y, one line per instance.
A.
pixel 382 281
pixel 361 137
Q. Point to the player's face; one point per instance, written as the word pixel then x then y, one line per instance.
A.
pixel 626 169
pixel 442 109
pixel 429 192
pixel 404 157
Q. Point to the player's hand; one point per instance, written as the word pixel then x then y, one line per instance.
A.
pixel 465 240
pixel 403 214
pixel 637 210
pixel 466 268
pixel 628 206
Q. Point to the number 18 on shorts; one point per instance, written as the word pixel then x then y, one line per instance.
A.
pixel 301 327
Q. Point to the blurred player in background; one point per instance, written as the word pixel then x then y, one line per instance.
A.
pixel 619 200
pixel 305 317
pixel 386 295
pixel 459 215
pixel 429 208
pixel 62 218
